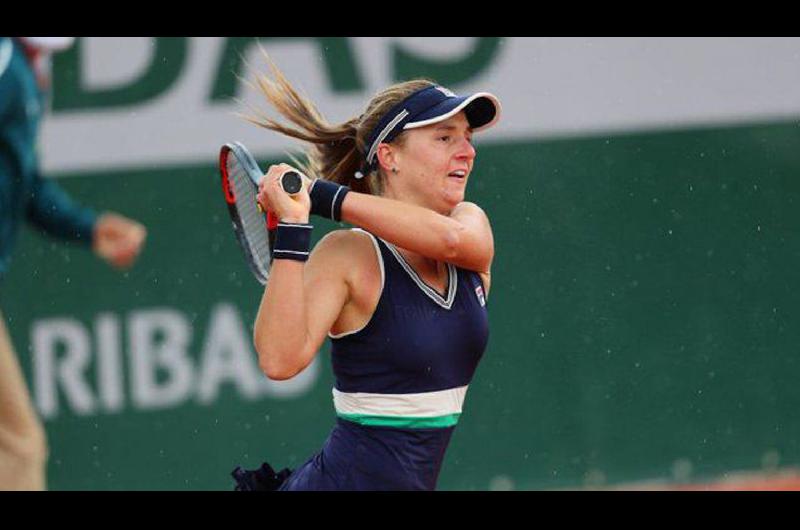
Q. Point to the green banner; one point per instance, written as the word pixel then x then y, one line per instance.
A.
pixel 643 324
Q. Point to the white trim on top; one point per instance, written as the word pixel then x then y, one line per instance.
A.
pixel 459 108
pixel 383 280
pixel 384 133
pixel 421 405
pixel 6 48
pixel 452 280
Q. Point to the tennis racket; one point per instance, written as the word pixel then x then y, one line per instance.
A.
pixel 254 229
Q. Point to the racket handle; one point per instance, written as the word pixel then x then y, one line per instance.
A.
pixel 291 182
pixel 272 220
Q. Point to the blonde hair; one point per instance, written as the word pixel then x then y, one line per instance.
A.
pixel 336 151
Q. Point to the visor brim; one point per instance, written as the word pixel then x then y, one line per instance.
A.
pixel 482 110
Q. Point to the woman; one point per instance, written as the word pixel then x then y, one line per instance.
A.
pixel 402 297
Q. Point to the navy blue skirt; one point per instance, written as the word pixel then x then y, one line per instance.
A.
pixel 357 457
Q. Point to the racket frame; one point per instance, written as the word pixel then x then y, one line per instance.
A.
pixel 250 166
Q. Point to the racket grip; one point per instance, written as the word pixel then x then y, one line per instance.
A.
pixel 291 182
pixel 272 220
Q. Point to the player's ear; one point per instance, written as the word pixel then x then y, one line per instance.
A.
pixel 387 157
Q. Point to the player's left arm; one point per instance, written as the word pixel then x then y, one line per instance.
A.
pixel 479 238
pixel 463 238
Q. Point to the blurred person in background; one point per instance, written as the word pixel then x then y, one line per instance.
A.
pixel 25 195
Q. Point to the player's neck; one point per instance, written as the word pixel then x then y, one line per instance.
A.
pixel 421 263
pixel 410 197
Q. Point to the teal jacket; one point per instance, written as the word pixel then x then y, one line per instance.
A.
pixel 24 194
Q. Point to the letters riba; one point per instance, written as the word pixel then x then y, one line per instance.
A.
pixel 148 359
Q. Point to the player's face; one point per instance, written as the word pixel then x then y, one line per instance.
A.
pixel 436 161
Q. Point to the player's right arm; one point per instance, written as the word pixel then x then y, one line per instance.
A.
pixel 302 301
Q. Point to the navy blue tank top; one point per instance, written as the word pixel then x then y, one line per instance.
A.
pixel 400 382
pixel 417 340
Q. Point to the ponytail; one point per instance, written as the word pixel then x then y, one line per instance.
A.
pixel 337 152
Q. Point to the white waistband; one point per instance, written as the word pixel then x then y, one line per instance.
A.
pixel 423 405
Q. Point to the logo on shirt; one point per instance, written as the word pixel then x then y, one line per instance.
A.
pixel 479 294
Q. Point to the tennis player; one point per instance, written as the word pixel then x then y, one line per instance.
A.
pixel 402 296
pixel 25 195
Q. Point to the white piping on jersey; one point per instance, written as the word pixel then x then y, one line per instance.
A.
pixel 422 405
pixel 5 54
pixel 427 289
pixel 383 279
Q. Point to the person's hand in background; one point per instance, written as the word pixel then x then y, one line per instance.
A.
pixel 118 240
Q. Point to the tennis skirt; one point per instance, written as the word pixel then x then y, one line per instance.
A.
pixel 357 457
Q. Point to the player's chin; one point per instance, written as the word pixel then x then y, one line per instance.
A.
pixel 452 199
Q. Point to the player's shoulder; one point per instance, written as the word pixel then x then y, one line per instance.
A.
pixel 468 207
pixel 344 244
pixel 469 211
pixel 345 238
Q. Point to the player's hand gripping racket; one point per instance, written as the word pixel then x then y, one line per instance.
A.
pixel 254 230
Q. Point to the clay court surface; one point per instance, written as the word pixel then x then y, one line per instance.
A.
pixel 783 480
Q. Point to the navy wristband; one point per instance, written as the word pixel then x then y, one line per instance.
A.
pixel 292 241
pixel 327 198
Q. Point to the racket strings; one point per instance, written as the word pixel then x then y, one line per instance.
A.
pixel 253 223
